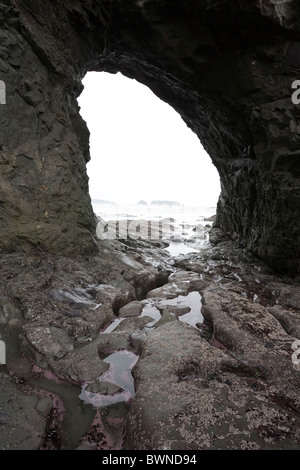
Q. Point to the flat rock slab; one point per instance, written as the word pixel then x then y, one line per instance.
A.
pixel 133 309
pixel 179 283
pixel 104 388
pixel 23 416
pixel 230 384
pixel 193 396
pixel 176 309
pixel 49 341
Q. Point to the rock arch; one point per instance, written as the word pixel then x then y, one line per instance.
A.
pixel 227 67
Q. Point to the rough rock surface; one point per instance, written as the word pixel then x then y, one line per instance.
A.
pixel 133 309
pixel 230 381
pixel 53 311
pixel 227 67
pixel 22 415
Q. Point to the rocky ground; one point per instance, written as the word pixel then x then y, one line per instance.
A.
pixel 208 336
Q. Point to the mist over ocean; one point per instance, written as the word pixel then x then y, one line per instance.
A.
pixel 181 212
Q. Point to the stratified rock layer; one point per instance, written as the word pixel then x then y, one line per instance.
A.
pixel 227 67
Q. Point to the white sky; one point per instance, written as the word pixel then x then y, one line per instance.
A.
pixel 141 148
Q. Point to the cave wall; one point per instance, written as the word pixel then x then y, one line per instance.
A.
pixel 226 66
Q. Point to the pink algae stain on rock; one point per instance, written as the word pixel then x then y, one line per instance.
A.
pixel 107 431
pixel 99 436
pixel 47 374
pixel 214 342
pixel 119 373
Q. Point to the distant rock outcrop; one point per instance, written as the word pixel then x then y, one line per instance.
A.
pixel 103 201
pixel 165 203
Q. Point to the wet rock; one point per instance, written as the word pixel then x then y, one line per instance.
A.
pixel 229 383
pixel 106 432
pixel 48 341
pixel 166 317
pixel 83 364
pixel 137 339
pixel 111 296
pixel 243 326
pixel 287 295
pixel 288 318
pixel 133 309
pixel 113 341
pixel 8 310
pixel 104 388
pixel 175 309
pixel 217 235
pixel 201 397
pixel 168 291
pixel 23 416
pixel 179 283
pixel 188 281
pixel 130 325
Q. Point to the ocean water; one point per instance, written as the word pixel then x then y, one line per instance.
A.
pixel 184 228
pixel 190 214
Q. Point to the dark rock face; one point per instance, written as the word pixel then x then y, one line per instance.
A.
pixel 227 67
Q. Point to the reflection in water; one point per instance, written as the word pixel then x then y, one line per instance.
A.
pixel 119 373
pixel 192 300
pixel 108 429
pixel 180 248
pixel 112 326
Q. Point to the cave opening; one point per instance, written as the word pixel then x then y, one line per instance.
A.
pixel 144 158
